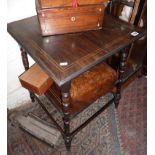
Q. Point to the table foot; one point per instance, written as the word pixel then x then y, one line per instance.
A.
pixel 117 97
pixel 68 141
pixel 32 96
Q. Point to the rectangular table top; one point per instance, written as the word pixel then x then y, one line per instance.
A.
pixel 64 57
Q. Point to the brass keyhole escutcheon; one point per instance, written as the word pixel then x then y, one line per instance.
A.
pixel 73 19
pixel 100 9
pixel 98 24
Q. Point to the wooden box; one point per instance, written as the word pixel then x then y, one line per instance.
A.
pixel 61 16
pixel 35 80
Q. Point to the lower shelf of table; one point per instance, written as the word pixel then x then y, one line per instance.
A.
pixel 54 95
pixel 78 128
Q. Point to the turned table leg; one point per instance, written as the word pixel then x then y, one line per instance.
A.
pixel 122 65
pixel 26 66
pixel 66 118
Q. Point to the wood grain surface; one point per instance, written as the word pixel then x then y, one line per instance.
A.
pixel 61 3
pixel 64 57
pixel 68 19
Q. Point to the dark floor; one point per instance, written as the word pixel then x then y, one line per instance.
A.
pixel 132 124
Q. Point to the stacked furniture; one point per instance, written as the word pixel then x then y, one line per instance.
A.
pixel 71 69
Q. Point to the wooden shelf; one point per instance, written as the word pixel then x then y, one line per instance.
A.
pixel 53 94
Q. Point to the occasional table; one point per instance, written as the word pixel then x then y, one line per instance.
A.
pixel 65 57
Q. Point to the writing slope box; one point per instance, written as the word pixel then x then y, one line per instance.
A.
pixel 44 4
pixel 68 19
pixel 36 80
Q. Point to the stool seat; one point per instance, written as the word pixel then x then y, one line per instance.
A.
pixel 86 88
pixel 92 84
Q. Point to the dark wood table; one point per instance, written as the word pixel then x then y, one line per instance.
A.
pixel 64 57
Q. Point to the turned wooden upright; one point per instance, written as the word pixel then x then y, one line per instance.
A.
pixel 26 66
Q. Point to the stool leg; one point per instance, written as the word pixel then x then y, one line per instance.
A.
pixel 122 65
pixel 26 66
pixel 66 118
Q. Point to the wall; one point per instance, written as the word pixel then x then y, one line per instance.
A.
pixel 16 95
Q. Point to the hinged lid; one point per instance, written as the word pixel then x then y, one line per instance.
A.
pixel 44 4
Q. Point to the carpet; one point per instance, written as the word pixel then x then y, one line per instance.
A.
pixel 132 117
pixel 100 137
